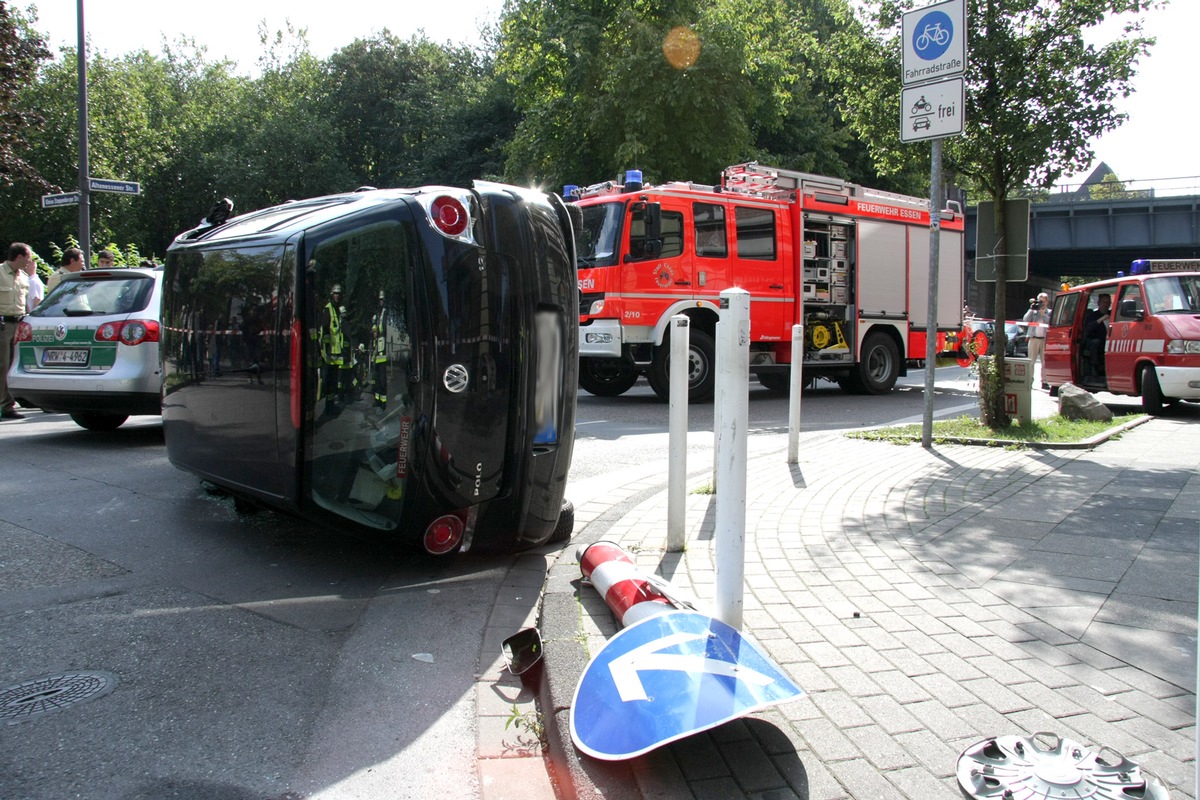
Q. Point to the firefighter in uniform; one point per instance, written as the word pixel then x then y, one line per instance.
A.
pixel 379 354
pixel 333 348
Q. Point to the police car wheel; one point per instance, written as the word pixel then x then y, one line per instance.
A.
pixel 100 422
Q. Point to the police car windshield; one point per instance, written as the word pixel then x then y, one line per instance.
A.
pixel 1174 294
pixel 601 229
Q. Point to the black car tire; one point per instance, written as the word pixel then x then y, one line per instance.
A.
pixel 1152 398
pixel 99 422
pixel 566 524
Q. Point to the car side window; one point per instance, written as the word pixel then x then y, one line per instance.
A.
pixel 1130 307
pixel 1065 306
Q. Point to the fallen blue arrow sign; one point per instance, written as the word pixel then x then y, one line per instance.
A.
pixel 667 677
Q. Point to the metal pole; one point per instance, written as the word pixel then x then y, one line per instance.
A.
pixel 935 238
pixel 677 441
pixel 85 206
pixel 794 395
pixel 733 398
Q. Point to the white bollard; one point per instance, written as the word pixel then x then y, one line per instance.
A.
pixel 678 431
pixel 794 395
pixel 733 400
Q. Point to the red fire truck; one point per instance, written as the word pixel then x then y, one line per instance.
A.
pixel 850 263
pixel 1135 335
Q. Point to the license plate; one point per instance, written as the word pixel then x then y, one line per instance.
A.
pixel 64 358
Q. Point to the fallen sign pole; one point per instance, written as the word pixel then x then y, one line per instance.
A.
pixel 670 673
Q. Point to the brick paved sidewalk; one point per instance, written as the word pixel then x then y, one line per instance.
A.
pixel 925 600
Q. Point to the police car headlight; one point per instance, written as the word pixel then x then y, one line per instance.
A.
pixel 1183 347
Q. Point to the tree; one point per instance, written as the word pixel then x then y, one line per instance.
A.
pixel 1037 93
pixel 21 50
pixel 679 89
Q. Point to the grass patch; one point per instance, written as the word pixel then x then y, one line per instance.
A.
pixel 1048 430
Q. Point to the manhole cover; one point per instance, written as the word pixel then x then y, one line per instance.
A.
pixel 52 693
pixel 1046 766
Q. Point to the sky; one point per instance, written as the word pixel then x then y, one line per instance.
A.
pixel 1156 146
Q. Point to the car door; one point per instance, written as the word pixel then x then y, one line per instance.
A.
pixel 1062 358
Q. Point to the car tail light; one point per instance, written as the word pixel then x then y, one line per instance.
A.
pixel 24 332
pixel 449 215
pixel 443 535
pixel 131 332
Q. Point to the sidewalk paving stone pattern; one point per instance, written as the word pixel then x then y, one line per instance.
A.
pixel 925 600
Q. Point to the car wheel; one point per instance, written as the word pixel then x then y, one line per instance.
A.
pixel 1152 399
pixel 566 524
pixel 606 377
pixel 100 422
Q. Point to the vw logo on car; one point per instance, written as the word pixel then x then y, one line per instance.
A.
pixel 455 378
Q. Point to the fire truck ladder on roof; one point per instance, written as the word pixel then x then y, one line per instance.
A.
pixel 756 179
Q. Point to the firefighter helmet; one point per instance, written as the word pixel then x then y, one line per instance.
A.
pixel 337 289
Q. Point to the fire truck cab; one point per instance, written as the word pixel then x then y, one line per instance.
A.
pixel 1136 335
pixel 849 263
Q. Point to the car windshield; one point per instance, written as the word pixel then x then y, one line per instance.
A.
pixel 98 296
pixel 1174 294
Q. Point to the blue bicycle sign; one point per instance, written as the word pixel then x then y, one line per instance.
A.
pixel 932 35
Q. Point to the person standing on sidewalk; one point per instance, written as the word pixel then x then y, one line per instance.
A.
pixel 1038 317
pixel 14 288
pixel 37 289
pixel 72 262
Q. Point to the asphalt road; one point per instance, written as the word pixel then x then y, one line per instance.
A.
pixel 253 656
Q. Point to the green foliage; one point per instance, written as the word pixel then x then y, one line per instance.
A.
pixel 21 50
pixel 678 89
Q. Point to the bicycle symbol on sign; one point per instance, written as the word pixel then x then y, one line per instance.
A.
pixel 933 34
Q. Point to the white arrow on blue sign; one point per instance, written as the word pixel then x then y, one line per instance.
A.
pixel 667 677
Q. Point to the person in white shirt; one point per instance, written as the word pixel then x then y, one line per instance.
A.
pixel 1038 317
pixel 37 289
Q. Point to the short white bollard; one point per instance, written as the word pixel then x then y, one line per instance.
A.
pixel 733 400
pixel 794 396
pixel 677 436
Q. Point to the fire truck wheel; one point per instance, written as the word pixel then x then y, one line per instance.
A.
pixel 701 358
pixel 880 365
pixel 606 377
pixel 1152 398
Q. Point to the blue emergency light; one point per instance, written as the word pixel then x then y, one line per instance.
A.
pixel 633 180
pixel 571 191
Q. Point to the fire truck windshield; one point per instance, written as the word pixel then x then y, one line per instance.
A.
pixel 601 233
pixel 1173 294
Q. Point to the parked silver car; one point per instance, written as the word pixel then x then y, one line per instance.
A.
pixel 90 349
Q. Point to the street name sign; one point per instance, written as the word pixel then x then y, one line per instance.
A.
pixel 932 110
pixel 667 677
pixel 64 199
pixel 117 187
pixel 934 40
